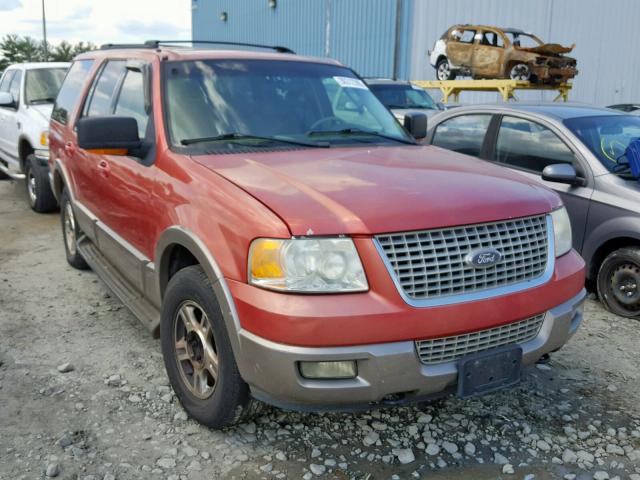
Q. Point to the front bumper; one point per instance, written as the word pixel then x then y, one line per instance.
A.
pixel 388 373
pixel 545 72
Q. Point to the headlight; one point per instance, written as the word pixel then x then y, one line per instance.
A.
pixel 315 265
pixel 561 231
pixel 44 138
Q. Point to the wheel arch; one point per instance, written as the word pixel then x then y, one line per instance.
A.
pixel 608 236
pixel 24 150
pixel 178 241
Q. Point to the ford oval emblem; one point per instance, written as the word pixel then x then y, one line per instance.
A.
pixel 483 258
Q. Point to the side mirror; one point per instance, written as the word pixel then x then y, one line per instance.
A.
pixel 416 124
pixel 440 106
pixel 562 173
pixel 6 100
pixel 109 135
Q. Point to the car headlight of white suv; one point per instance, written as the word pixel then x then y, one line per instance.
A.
pixel 561 231
pixel 307 265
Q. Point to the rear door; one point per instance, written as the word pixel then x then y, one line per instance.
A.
pixel 460 47
pixel 528 146
pixel 9 125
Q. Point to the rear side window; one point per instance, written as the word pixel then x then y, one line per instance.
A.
pixel 104 89
pixel 529 145
pixel 463 134
pixel 6 80
pixel 130 101
pixel 70 90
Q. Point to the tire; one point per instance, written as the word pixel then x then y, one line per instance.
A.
pixel 205 378
pixel 443 70
pixel 70 233
pixel 619 282
pixel 520 71
pixel 39 194
pixel 3 176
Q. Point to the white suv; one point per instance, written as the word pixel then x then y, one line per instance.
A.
pixel 27 93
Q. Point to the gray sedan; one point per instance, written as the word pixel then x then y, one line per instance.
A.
pixel 590 156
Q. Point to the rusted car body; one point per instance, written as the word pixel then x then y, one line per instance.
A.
pixel 490 52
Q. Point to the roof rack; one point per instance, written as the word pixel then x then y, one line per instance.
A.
pixel 158 43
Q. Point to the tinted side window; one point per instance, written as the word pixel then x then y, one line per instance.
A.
pixel 529 145
pixel 70 90
pixel 131 100
pixel 104 88
pixel 6 80
pixel 463 134
pixel 14 88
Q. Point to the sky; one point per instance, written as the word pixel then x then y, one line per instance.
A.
pixel 98 21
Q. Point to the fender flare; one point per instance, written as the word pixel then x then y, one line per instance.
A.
pixel 178 235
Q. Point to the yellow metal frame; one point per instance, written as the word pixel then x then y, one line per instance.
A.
pixel 505 87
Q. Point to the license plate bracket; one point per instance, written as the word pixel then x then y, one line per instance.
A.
pixel 488 371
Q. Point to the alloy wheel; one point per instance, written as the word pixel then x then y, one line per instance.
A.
pixel 195 350
pixel 444 71
pixel 31 188
pixel 70 229
pixel 520 72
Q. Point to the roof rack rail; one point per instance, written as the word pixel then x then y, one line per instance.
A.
pixel 277 48
pixel 159 43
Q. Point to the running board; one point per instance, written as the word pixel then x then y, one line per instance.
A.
pixel 132 299
pixel 16 176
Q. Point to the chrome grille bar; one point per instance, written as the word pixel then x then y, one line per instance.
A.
pixel 430 264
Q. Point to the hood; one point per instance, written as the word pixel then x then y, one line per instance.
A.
pixel 43 111
pixel 380 189
pixel 548 49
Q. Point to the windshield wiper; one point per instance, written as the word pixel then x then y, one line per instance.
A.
pixel 243 136
pixel 36 101
pixel 410 107
pixel 358 131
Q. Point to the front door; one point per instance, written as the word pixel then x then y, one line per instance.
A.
pixel 488 54
pixel 121 186
pixel 529 147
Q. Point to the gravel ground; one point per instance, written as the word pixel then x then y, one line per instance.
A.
pixel 83 394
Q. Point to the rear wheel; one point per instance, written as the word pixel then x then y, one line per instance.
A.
pixel 71 232
pixel 39 192
pixel 197 352
pixel 443 70
pixel 619 282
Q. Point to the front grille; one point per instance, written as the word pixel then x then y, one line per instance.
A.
pixel 445 349
pixel 431 264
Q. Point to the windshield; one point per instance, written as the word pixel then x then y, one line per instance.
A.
pixel 213 105
pixel 403 96
pixel 610 138
pixel 523 40
pixel 42 84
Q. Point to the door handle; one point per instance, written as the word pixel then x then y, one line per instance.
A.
pixel 104 168
pixel 69 148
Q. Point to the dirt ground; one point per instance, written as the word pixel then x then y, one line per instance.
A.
pixel 113 415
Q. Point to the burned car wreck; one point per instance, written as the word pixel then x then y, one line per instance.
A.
pixel 490 52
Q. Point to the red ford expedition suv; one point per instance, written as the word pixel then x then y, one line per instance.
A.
pixel 288 241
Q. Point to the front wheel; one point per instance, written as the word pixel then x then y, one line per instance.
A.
pixel 520 71
pixel 39 192
pixel 443 70
pixel 197 352
pixel 619 282
pixel 71 232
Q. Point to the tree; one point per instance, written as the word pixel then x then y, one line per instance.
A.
pixel 16 49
